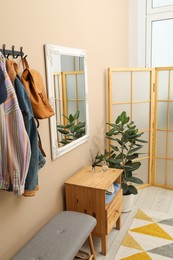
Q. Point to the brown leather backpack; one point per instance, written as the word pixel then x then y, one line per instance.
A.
pixel 34 86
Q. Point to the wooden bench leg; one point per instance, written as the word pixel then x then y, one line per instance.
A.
pixel 91 247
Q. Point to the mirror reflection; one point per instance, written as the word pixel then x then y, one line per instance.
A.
pixel 67 91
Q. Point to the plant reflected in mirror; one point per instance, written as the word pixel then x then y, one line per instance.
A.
pixel 73 130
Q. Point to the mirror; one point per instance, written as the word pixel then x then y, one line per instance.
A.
pixel 66 71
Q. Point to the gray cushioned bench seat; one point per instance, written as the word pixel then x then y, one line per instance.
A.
pixel 60 239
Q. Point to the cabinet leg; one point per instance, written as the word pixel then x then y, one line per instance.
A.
pixel 104 240
pixel 118 223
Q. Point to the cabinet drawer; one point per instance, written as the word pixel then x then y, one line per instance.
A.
pixel 114 210
pixel 113 217
pixel 113 204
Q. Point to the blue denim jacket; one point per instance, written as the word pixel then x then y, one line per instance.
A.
pixel 37 160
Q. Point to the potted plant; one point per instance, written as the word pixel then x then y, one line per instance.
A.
pixel 125 143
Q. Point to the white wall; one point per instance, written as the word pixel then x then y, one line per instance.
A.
pixel 137 31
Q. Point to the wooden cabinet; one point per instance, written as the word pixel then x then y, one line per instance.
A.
pixel 86 192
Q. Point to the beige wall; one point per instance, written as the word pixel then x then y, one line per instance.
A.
pixel 100 27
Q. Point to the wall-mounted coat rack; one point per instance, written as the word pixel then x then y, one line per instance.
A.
pixel 15 54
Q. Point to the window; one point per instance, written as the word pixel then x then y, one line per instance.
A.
pixel 159 50
pixel 155 6
pixel 160 3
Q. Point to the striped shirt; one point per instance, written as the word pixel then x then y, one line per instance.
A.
pixel 15 149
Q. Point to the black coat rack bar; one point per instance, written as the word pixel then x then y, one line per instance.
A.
pixel 15 54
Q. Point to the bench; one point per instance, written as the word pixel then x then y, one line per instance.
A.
pixel 60 239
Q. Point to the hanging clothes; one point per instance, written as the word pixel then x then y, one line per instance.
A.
pixel 37 160
pixel 15 151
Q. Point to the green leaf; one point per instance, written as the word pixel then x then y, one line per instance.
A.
pixel 63 131
pixel 118 120
pixel 119 141
pixel 125 188
pixel 72 128
pixel 133 136
pixel 135 165
pixel 121 156
pixel 60 126
pixel 113 125
pixel 80 125
pixel 128 167
pixel 135 180
pixel 111 138
pixel 76 116
pixel 128 175
pixel 141 141
pixel 132 190
pixel 135 149
pixel 123 117
pixel 115 148
pixel 132 156
pixel 126 120
pixel 113 160
pixel 71 118
pixel 111 132
pixel 67 126
pixel 64 142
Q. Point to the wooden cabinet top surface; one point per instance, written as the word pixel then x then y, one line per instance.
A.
pixel 94 179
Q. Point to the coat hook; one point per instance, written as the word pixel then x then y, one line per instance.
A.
pixel 13 54
pixel 21 51
pixel 13 50
pixel 7 56
pixel 4 45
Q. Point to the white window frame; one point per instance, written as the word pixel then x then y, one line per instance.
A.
pixel 150 20
pixel 141 16
pixel 137 33
pixel 151 10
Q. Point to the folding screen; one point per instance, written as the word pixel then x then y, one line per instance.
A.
pixel 131 90
pixel 163 148
pixel 147 97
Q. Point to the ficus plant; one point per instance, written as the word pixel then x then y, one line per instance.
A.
pixel 125 143
pixel 73 130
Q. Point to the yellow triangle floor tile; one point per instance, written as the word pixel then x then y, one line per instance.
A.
pixel 149 242
pixel 129 241
pixel 141 215
pixel 139 223
pixel 152 230
pixel 125 252
pixel 168 229
pixel 139 256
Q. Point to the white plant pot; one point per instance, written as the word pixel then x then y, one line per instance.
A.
pixel 127 202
